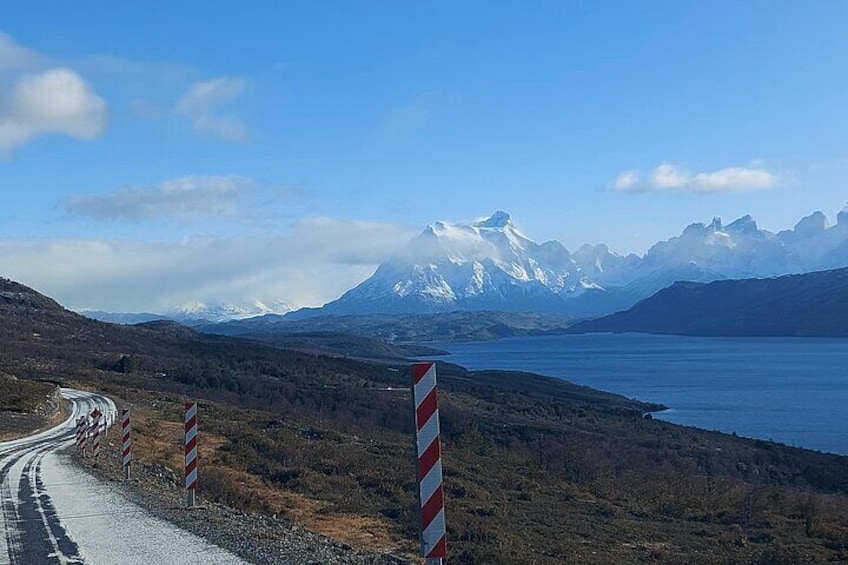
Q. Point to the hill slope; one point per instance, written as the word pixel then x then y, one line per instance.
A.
pixel 536 469
pixel 812 304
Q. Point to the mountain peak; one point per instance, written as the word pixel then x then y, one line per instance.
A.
pixel 745 224
pixel 499 219
pixel 813 224
pixel 842 216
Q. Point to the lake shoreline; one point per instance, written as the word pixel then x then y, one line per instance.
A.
pixel 707 383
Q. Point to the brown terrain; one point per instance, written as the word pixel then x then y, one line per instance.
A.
pixel 536 470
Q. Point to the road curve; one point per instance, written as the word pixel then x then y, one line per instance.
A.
pixel 53 513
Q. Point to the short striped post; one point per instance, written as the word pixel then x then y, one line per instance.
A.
pixel 191 450
pixel 431 494
pixel 126 443
pixel 94 431
pixel 80 434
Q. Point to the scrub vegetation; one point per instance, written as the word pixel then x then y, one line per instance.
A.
pixel 536 470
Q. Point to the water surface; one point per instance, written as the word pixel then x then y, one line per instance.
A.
pixel 791 390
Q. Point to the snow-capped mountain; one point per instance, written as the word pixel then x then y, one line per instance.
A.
pixel 486 264
pixel 490 265
pixel 192 313
pixel 223 311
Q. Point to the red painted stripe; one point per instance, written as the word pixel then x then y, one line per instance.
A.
pixel 429 458
pixel 440 551
pixel 191 423
pixel 432 507
pixel 190 445
pixel 426 409
pixel 419 370
pixel 190 466
pixel 125 452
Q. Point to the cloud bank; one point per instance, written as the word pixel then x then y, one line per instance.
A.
pixel 668 177
pixel 187 198
pixel 311 262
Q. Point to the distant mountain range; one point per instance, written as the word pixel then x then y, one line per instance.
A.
pixel 812 304
pixel 490 264
pixel 195 313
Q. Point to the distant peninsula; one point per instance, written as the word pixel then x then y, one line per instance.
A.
pixel 812 304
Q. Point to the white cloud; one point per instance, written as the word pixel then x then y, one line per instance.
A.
pixel 202 104
pixel 206 96
pixel 56 101
pixel 313 261
pixel 735 178
pixel 670 177
pixel 626 180
pixel 14 56
pixel 185 198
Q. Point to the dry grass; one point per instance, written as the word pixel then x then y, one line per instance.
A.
pixel 158 439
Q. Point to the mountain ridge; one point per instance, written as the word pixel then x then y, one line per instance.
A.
pixel 809 305
pixel 489 264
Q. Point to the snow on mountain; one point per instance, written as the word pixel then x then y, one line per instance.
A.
pixel 491 264
pixel 815 244
pixel 485 264
pixel 223 311
pixel 195 312
pixel 738 250
pixel 604 266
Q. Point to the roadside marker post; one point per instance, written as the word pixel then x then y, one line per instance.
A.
pixel 126 443
pixel 191 451
pixel 81 433
pixel 94 431
pixel 429 463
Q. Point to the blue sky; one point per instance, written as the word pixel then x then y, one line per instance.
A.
pixel 156 154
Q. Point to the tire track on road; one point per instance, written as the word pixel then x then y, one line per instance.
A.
pixel 45 540
pixel 33 533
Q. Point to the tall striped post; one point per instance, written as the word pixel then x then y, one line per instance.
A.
pixel 191 450
pixel 126 443
pixel 94 431
pixel 80 434
pixel 431 494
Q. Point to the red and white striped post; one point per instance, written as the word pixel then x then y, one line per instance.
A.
pixel 191 450
pixel 126 443
pixel 94 431
pixel 431 493
pixel 80 434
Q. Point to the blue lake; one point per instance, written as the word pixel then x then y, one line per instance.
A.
pixel 790 390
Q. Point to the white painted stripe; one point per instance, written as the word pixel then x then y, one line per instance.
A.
pixel 191 455
pixel 428 433
pixel 425 385
pixel 190 433
pixel 191 412
pixel 431 482
pixel 434 532
pixel 191 479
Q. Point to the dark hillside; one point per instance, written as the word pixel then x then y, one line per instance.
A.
pixel 401 328
pixel 813 304
pixel 536 469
